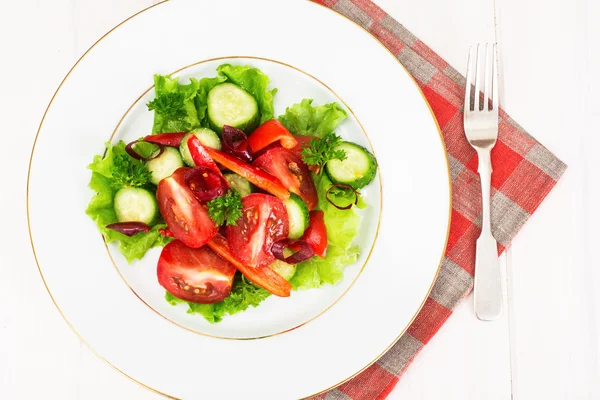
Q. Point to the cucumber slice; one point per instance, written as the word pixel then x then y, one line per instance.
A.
pixel 135 204
pixel 206 136
pixel 229 104
pixel 238 183
pixel 298 216
pixel 287 271
pixel 163 166
pixel 357 170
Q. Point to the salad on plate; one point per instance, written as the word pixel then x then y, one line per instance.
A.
pixel 244 204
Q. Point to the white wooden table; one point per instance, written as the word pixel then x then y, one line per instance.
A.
pixel 547 344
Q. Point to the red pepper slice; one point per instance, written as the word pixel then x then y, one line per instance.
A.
pixel 172 139
pixel 252 174
pixel 270 132
pixel 264 277
pixel 201 156
pixel 316 233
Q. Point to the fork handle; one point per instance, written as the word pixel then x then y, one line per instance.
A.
pixel 488 288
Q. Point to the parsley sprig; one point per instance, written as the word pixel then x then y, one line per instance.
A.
pixel 168 105
pixel 319 151
pixel 226 209
pixel 129 172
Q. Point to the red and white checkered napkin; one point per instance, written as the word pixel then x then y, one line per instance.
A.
pixel 524 173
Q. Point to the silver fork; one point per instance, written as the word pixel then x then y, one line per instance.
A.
pixel 481 128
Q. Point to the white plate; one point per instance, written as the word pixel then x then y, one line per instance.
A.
pixel 311 341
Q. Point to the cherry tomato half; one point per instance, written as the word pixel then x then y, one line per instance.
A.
pixel 286 166
pixel 264 221
pixel 196 275
pixel 186 217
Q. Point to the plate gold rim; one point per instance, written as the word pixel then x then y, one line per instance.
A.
pixel 155 390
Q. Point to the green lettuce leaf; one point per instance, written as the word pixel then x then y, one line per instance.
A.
pixel 255 82
pixel 342 227
pixel 105 182
pixel 244 294
pixel 304 119
pixel 177 112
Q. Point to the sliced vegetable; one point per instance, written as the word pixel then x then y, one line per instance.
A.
pixel 271 132
pixel 291 171
pixel 229 104
pixel 358 168
pixel 298 217
pixel 171 139
pixel 337 187
pixel 241 185
pixel 207 137
pixel 196 275
pixel 200 156
pixel 235 143
pixel 316 234
pixel 133 151
pixel 284 269
pixel 249 172
pixel 164 165
pixel 255 82
pixel 264 276
pixel 304 251
pixel 205 183
pixel 185 216
pixel 264 221
pixel 135 205
pixel 129 228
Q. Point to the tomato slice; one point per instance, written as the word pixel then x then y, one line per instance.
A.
pixel 186 217
pixel 264 221
pixel 316 233
pixel 271 131
pixel 252 174
pixel 196 275
pixel 264 277
pixel 291 171
pixel 172 139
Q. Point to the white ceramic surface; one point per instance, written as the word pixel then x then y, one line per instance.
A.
pixel 388 293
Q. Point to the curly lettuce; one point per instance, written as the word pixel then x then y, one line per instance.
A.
pixel 109 174
pixel 342 227
pixel 304 119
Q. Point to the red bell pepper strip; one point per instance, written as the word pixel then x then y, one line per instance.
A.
pixel 264 277
pixel 172 139
pixel 270 132
pixel 201 156
pixel 249 172
pixel 316 233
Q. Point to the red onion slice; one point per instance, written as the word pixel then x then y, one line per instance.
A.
pixel 131 151
pixel 235 142
pixel 205 183
pixel 305 250
pixel 129 228
pixel 343 186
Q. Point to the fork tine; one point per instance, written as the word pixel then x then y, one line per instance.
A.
pixel 470 68
pixel 477 71
pixel 495 79
pixel 489 70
